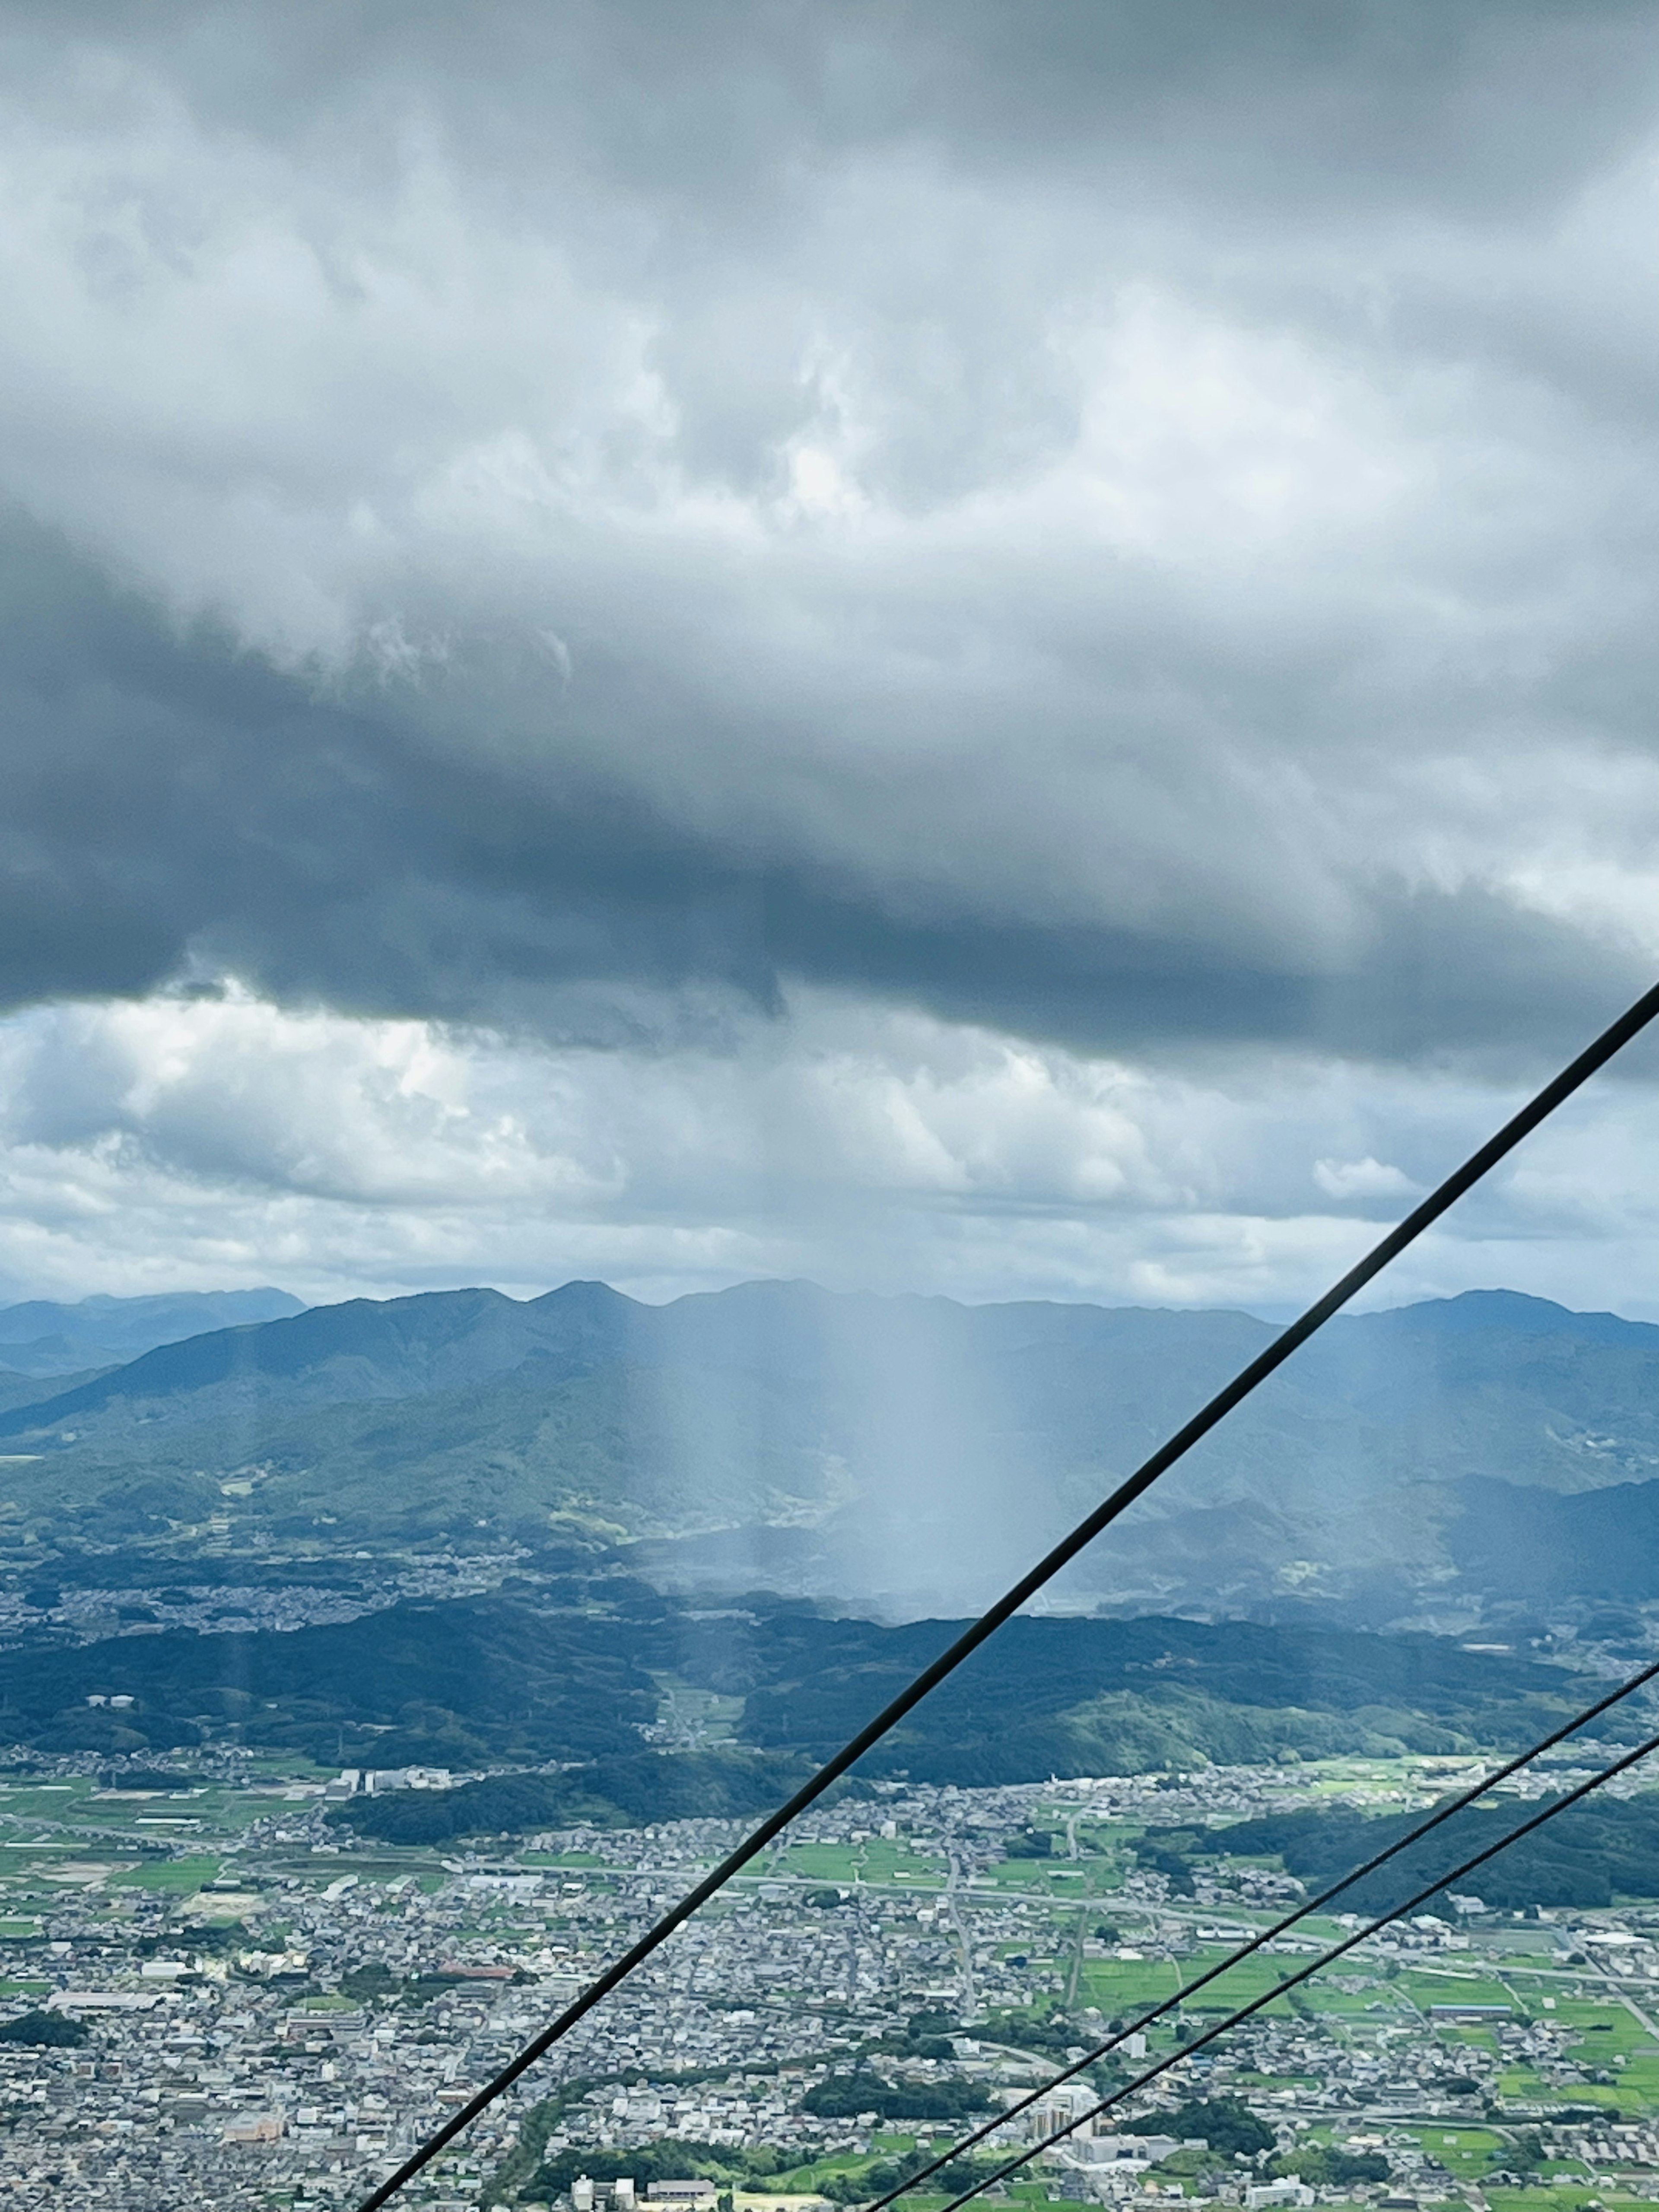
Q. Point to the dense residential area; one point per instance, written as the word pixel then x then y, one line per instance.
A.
pixel 262 2007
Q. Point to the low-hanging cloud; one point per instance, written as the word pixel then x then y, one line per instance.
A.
pixel 216 1137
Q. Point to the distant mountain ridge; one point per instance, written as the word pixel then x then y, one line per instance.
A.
pixel 899 1451
pixel 365 1348
pixel 40 1337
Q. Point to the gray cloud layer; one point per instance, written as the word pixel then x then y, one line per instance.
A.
pixel 1131 526
pixel 175 805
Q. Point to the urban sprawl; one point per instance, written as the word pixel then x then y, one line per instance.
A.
pixel 221 1997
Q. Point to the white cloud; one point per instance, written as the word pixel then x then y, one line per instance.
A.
pixel 215 1140
pixel 1366 1178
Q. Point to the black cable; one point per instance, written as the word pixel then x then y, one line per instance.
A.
pixel 1561 1087
pixel 1435 1819
pixel 1315 1966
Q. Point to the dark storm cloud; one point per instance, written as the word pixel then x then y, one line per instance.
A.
pixel 176 806
pixel 1160 791
pixel 1460 105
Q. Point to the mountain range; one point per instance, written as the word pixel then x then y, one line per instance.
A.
pixel 1444 1462
pixel 41 1338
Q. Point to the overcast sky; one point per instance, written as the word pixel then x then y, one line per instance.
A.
pixel 1006 649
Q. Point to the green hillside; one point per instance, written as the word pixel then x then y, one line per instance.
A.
pixel 1605 1847
pixel 908 1448
pixel 522 1679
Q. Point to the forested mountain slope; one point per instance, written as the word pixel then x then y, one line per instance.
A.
pixel 894 1450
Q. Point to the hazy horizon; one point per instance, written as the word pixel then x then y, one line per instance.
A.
pixel 1375 1301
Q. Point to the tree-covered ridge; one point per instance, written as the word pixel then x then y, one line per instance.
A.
pixel 1605 1847
pixel 541 1675
pixel 457 1683
pixel 1070 1696
pixel 635 1788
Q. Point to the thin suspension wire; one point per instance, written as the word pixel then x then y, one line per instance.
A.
pixel 1312 1904
pixel 1613 1039
pixel 1315 1966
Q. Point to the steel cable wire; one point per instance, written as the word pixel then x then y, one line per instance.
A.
pixel 1538 1110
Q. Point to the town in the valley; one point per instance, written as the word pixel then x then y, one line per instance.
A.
pixel 216 1994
